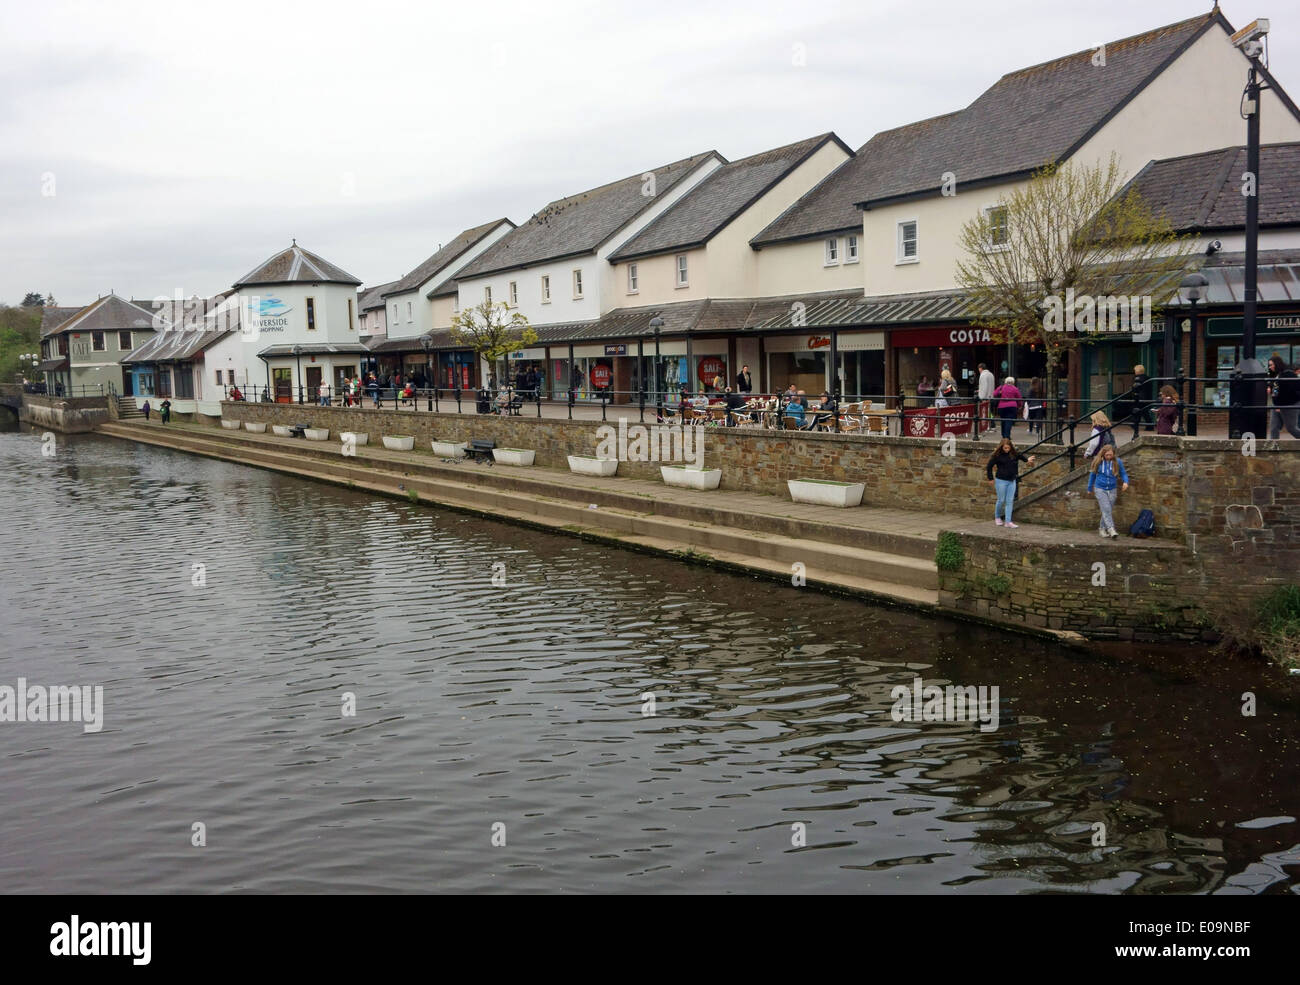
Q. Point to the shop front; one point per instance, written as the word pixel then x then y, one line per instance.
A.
pixel 457 368
pixel 1276 334
pixel 920 355
pixel 803 361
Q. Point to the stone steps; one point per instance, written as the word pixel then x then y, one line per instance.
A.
pixel 127 410
pixel 881 574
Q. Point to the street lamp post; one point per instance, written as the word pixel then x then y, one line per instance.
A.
pixel 297 354
pixel 1193 288
pixel 656 326
pixel 426 343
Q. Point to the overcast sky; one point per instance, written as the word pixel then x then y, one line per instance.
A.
pixel 184 144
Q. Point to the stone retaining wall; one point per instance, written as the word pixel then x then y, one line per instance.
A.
pixel 70 415
pixel 905 473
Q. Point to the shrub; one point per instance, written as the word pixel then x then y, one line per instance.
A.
pixel 948 553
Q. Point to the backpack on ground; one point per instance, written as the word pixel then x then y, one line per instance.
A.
pixel 1144 525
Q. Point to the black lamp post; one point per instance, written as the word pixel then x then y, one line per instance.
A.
pixel 1193 288
pixel 297 354
pixel 657 326
pixel 426 343
pixel 690 362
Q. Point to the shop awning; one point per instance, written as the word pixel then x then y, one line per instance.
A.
pixel 52 365
pixel 314 349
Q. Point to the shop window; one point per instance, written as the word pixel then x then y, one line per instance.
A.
pixel 97 341
pixel 124 341
pixel 546 290
pixel 682 280
pixel 851 250
pixel 907 243
pixel 631 278
pixel 832 252
pixel 311 314
pixel 999 235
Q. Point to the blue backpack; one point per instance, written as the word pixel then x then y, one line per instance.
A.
pixel 1144 525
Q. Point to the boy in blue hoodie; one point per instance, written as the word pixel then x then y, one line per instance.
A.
pixel 1106 477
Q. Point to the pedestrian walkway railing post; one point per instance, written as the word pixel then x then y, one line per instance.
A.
pixel 1072 449
pixel 458 399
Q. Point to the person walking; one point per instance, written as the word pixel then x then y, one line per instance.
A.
pixel 1036 407
pixel 1101 435
pixel 1167 412
pixel 744 382
pixel 323 395
pixel 946 391
pixel 165 410
pixel 146 408
pixel 1106 476
pixel 1009 400
pixel 1003 471
pixel 1141 394
pixel 1284 389
pixel 984 394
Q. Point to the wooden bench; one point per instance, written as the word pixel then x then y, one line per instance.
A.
pixel 480 450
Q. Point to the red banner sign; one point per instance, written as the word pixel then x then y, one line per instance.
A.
pixel 600 375
pixel 946 337
pixel 710 367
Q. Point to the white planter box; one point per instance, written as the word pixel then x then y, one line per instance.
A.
pixel 592 466
pixel 317 434
pixel 399 442
pixel 679 475
pixel 357 437
pixel 257 427
pixel 280 430
pixel 230 425
pixel 448 449
pixel 823 492
pixel 514 456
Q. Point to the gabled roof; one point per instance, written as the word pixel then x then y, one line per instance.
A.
pixel 373 298
pixel 448 288
pixel 447 255
pixel 52 318
pixel 1026 119
pixel 296 266
pixel 1202 192
pixel 108 314
pixel 708 207
pixel 580 223
pixel 175 345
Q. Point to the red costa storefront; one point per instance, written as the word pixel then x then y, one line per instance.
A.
pixel 917 353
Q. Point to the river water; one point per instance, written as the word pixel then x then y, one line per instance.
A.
pixel 501 740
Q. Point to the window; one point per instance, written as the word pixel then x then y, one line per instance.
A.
pixel 681 270
pixel 487 294
pixel 577 284
pixel 999 234
pixel 230 377
pixel 631 278
pixel 394 312
pixel 907 242
pixel 351 326
pixel 546 290
pixel 832 252
pixel 514 294
pixel 124 341
pixel 218 377
pixel 851 250
pixel 311 314
pixel 410 310
pixel 97 341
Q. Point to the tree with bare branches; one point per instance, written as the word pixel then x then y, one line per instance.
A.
pixel 1064 260
pixel 492 330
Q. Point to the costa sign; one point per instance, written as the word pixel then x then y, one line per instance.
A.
pixel 944 337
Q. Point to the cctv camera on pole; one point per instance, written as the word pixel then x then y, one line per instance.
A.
pixel 1248 412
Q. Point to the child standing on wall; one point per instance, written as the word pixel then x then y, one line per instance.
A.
pixel 1106 477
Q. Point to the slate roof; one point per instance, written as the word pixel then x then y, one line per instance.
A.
pixel 296 266
pixel 446 289
pixel 448 254
pixel 708 207
pixel 175 345
pixel 108 314
pixel 1024 120
pixel 1202 192
pixel 52 318
pixel 373 298
pixel 580 223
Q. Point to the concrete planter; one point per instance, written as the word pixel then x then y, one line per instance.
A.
pixel 399 442
pixel 584 465
pixel 230 425
pixel 316 434
pixel 825 492
pixel 514 456
pixel 691 478
pixel 448 449
pixel 280 430
pixel 256 427
pixel 357 437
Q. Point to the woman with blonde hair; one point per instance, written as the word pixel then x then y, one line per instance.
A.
pixel 946 389
pixel 1106 476
pixel 1101 436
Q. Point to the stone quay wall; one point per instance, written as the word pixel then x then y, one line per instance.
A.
pixel 903 473
pixel 69 415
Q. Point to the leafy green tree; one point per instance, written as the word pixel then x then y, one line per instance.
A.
pixel 33 300
pixel 492 330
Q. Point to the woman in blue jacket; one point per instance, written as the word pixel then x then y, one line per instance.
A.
pixel 1106 477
